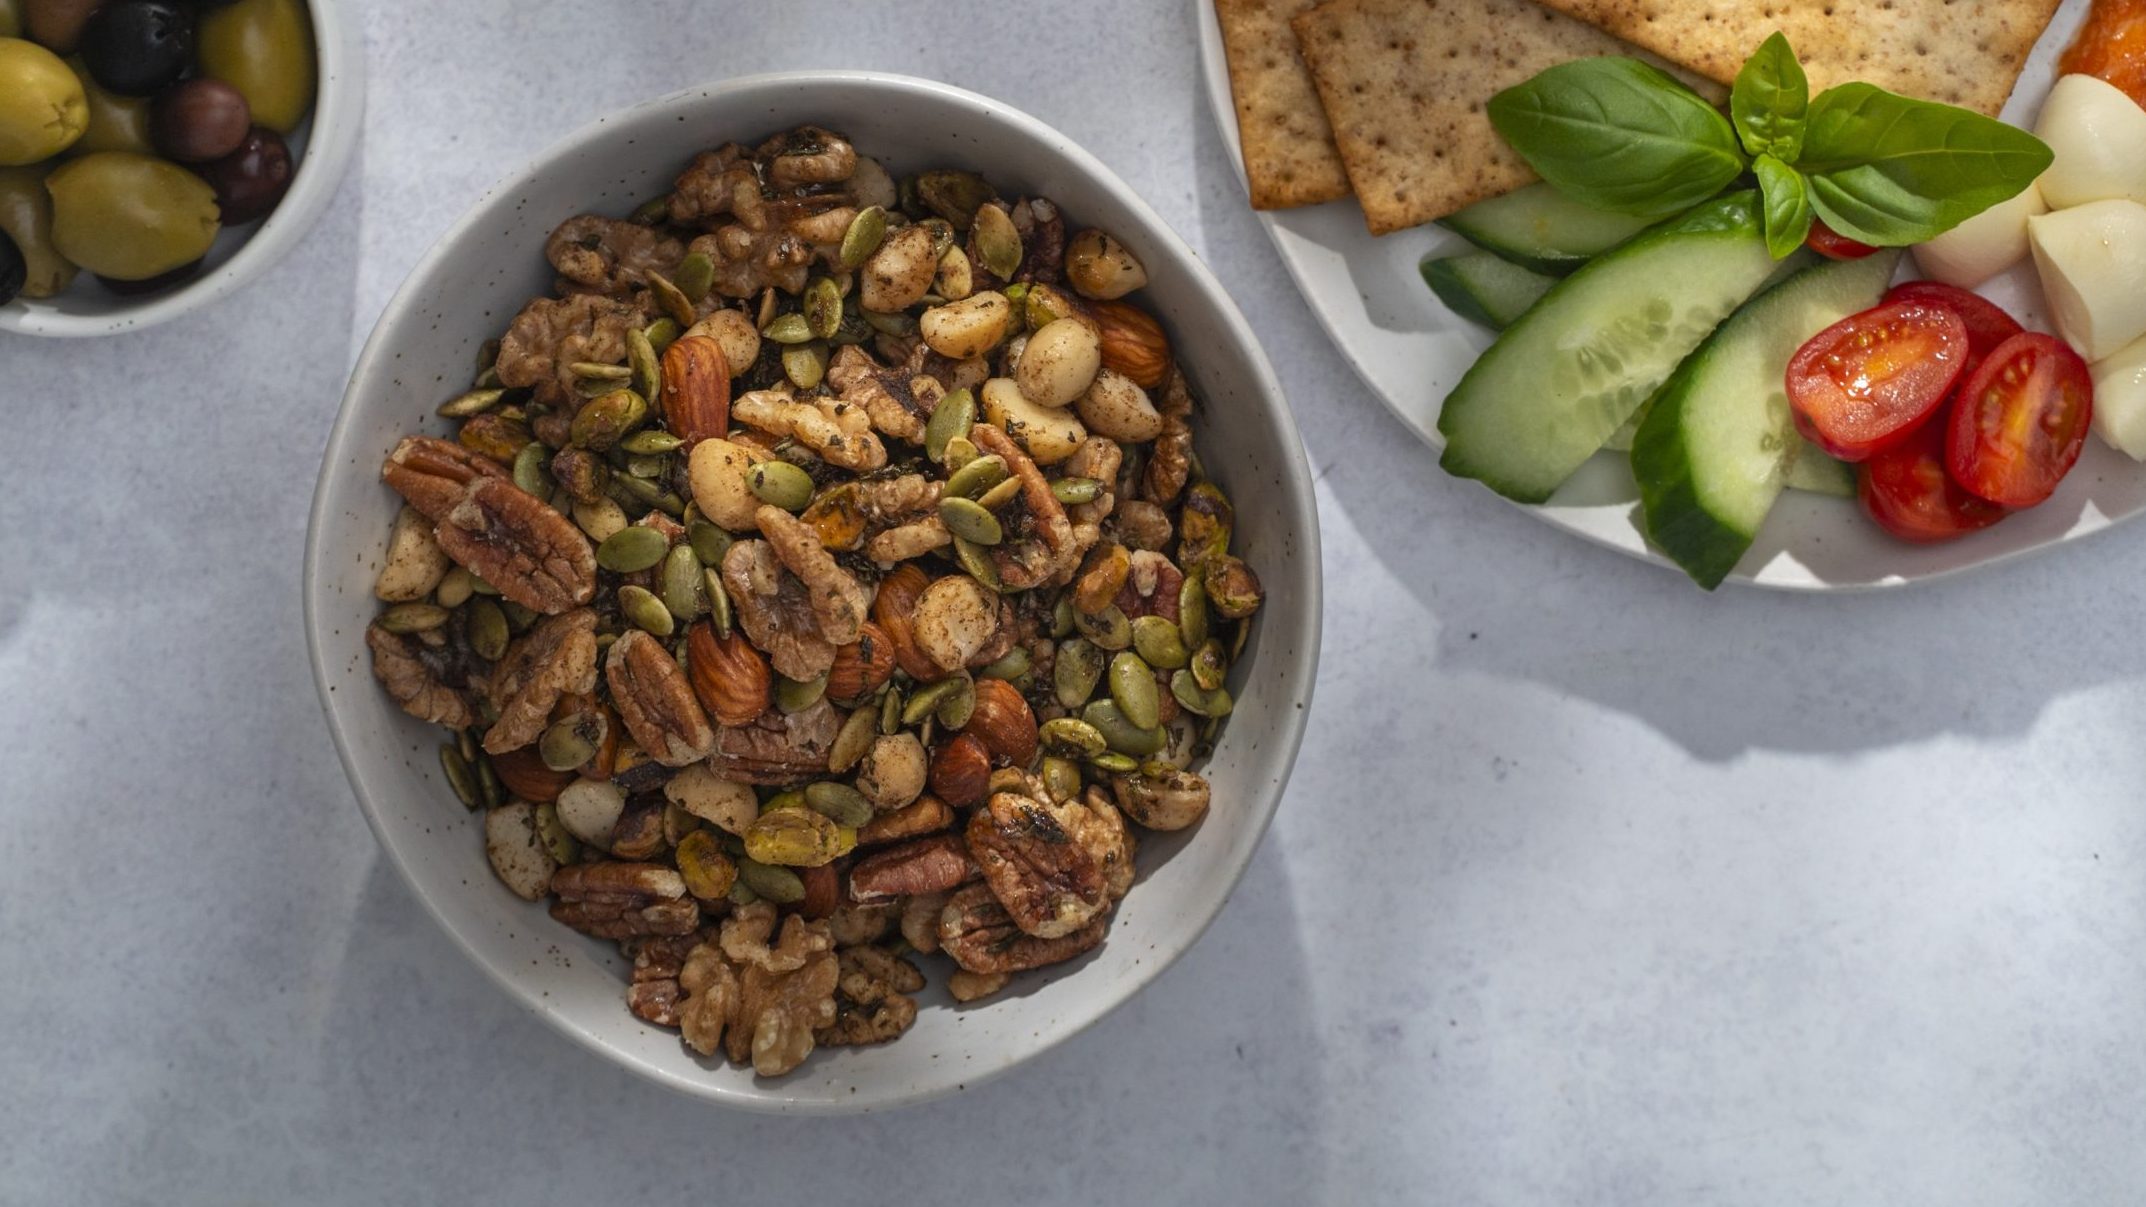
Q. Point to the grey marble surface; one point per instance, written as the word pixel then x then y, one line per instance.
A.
pixel 1600 891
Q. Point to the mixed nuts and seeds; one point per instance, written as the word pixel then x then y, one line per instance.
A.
pixel 819 580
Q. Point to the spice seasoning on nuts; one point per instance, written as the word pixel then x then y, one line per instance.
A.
pixel 816 559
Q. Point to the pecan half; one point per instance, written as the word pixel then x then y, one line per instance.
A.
pixel 1038 538
pixel 778 748
pixel 1050 883
pixel 980 935
pixel 655 702
pixel 926 814
pixel 927 865
pixel 431 474
pixel 614 900
pixel 556 658
pixel 412 681
pixel 512 540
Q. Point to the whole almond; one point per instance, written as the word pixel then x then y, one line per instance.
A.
pixel 1133 342
pixel 728 674
pixel 893 609
pixel 696 389
pixel 525 776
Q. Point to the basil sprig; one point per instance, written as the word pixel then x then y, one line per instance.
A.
pixel 1619 135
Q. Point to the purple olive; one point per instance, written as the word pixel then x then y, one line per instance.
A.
pixel 250 181
pixel 195 121
pixel 138 47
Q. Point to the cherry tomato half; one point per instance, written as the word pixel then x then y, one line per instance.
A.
pixel 1987 323
pixel 1907 491
pixel 2020 421
pixel 1833 245
pixel 1863 384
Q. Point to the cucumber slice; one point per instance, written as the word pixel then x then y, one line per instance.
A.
pixel 1484 289
pixel 1718 440
pixel 1814 472
pixel 1539 228
pixel 1546 395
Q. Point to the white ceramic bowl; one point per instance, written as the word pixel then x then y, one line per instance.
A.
pixel 320 151
pixel 483 271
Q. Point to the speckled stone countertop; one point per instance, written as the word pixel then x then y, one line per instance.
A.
pixel 1589 889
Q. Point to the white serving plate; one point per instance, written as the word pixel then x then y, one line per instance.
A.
pixel 1411 351
pixel 483 271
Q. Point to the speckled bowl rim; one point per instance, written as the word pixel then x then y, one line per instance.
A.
pixel 337 119
pixel 1291 660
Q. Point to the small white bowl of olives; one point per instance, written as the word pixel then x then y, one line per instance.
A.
pixel 157 154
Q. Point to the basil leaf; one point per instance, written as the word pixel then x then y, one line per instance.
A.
pixel 1770 100
pixel 1890 171
pixel 1618 135
pixel 1788 206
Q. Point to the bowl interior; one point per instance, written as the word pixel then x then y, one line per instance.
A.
pixel 320 149
pixel 480 276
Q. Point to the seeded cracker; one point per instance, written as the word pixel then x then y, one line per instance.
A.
pixel 1962 52
pixel 1404 83
pixel 1289 153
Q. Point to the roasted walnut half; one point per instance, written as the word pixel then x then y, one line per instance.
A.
pixel 552 334
pixel 760 1002
pixel 791 597
pixel 554 659
pixel 872 1004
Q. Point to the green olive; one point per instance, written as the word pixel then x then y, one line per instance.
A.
pixel 42 110
pixel 116 123
pixel 10 19
pixel 26 216
pixel 129 216
pixel 264 48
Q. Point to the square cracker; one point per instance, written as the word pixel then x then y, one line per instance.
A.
pixel 1289 154
pixel 1404 83
pixel 1962 52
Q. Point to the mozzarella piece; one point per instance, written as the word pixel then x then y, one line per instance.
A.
pixel 2098 135
pixel 2120 400
pixel 2092 260
pixel 1984 245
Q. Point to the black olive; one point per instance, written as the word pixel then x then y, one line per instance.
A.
pixel 138 47
pixel 13 272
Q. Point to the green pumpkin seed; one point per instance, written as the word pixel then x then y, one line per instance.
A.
pixel 976 559
pixel 1120 732
pixel 519 618
pixel 838 803
pixel 1012 666
pixel 682 579
pixel 461 777
pixel 662 334
pixel 1108 628
pixel 590 370
pixel 647 468
pixel 564 746
pixel 487 630
pixel 926 700
pixel 1061 777
pixel 977 476
pixel 1017 293
pixel 1201 701
pixel 866 231
pixel 632 549
pixel 1132 689
pixel 1240 639
pixel 709 542
pixel 488 785
pixel 890 712
pixel 474 402
pixel 1062 617
pixel 970 521
pixel 1074 491
pixel 481 587
pixel 1076 671
pixel 997 242
pixel 487 355
pixel 718 602
pixel 960 450
pixel 1192 612
pixel 652 211
pixel 487 380
pixel 1115 763
pixel 953 195
pixel 647 376
pixel 600 519
pixel 605 420
pixel 1209 666
pixel 412 618
pixel 788 329
pixel 797 695
pixel 954 416
pixel 780 484
pixel 954 711
pixel 822 306
pixel 805 364
pixel 644 611
pixel 1160 643
pixel 672 300
pixel 466 742
pixel 1072 736
pixel 562 845
pixel 853 741
pixel 897 325
pixel 651 442
pixel 1000 495
pixel 455 589
pixel 695 274
pixel 780 885
pixel 529 472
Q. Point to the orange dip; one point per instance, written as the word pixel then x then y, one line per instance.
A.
pixel 2112 46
